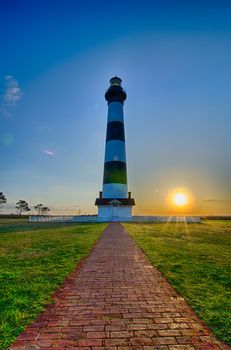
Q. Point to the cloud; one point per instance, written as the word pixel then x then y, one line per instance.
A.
pixel 11 95
pixel 13 92
pixel 217 200
pixel 48 152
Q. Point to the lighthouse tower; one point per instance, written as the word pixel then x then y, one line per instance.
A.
pixel 115 202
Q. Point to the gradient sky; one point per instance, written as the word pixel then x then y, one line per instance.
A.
pixel 55 64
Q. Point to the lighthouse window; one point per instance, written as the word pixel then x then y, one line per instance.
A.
pixel 115 83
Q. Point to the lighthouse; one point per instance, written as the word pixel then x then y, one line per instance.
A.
pixel 115 202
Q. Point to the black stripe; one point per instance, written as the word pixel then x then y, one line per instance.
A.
pixel 115 172
pixel 115 93
pixel 115 131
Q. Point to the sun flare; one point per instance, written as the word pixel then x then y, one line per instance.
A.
pixel 180 199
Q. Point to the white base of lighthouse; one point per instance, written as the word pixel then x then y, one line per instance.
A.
pixel 114 213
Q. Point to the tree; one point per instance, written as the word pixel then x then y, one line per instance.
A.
pixel 45 210
pixel 22 205
pixel 3 199
pixel 39 208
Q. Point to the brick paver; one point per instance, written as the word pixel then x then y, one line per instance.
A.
pixel 117 301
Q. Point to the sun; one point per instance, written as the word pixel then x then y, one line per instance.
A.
pixel 180 199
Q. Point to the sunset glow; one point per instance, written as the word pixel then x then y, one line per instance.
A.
pixel 180 199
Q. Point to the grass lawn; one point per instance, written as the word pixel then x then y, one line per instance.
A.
pixel 8 221
pixel 34 260
pixel 196 260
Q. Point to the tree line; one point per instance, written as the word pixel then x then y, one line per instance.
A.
pixel 23 206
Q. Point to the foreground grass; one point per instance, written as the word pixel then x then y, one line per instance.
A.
pixel 196 260
pixel 33 263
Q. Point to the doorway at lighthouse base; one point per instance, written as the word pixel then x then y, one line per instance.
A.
pixel 115 212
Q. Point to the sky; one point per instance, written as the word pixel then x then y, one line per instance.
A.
pixel 56 60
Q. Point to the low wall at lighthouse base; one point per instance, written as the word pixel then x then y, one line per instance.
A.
pixel 157 219
pixel 95 218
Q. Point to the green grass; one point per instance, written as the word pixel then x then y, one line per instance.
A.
pixel 196 260
pixel 8 221
pixel 34 261
pixel 16 225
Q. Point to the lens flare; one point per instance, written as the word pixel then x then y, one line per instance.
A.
pixel 180 199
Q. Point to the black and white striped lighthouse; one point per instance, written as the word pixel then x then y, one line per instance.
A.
pixel 115 202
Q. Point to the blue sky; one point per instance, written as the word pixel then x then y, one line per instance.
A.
pixel 56 61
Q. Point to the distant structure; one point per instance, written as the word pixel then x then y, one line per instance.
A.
pixel 115 202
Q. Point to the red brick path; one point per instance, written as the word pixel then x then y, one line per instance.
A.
pixel 117 301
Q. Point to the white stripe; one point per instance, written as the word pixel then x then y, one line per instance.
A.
pixel 115 112
pixel 115 191
pixel 115 150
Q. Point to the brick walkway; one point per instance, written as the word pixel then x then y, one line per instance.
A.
pixel 117 301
